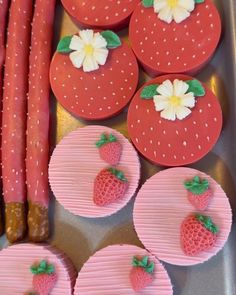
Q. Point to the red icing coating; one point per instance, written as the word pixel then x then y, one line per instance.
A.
pixel 3 17
pixel 175 143
pixel 195 238
pixel 175 48
pixel 104 14
pixel 99 94
pixel 38 103
pixel 14 101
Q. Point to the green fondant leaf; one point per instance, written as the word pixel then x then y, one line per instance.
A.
pixel 135 262
pixel 196 87
pixel 34 270
pixel 43 264
pixel 197 186
pixel 199 1
pixel 112 138
pixel 102 141
pixel 50 269
pixel 149 91
pixel 104 137
pixel 148 3
pixel 113 40
pixel 150 268
pixel 207 222
pixel 119 174
pixel 64 45
pixel 145 261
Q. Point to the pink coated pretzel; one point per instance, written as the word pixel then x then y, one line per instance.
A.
pixel 38 120
pixel 4 6
pixel 14 117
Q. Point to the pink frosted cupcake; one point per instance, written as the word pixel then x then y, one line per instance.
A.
pixel 27 269
pixel 123 270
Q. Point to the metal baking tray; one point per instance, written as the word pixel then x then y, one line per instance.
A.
pixel 80 237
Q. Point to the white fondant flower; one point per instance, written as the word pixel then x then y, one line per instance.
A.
pixel 173 100
pixel 89 50
pixel 177 10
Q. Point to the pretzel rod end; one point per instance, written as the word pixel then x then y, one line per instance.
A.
pixel 38 223
pixel 15 221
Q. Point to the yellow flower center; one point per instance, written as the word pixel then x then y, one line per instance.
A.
pixel 172 3
pixel 88 48
pixel 175 100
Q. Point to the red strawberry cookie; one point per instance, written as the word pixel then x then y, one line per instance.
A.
pixel 93 75
pixel 174 120
pixel 105 14
pixel 35 269
pixel 174 36
pixel 176 232
pixel 123 270
pixel 83 182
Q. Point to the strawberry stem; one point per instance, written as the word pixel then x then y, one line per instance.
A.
pixel 197 186
pixel 148 267
pixel 119 174
pixel 207 222
pixel 104 139
pixel 42 268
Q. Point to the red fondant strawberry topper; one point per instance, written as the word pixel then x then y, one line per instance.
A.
pixel 110 185
pixel 178 233
pixel 44 277
pixel 31 269
pixel 199 192
pixel 198 233
pixel 93 75
pixel 141 274
pixel 174 36
pixel 86 183
pixel 110 149
pixel 130 269
pixel 174 120
pixel 104 14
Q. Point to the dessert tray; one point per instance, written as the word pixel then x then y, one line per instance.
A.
pixel 85 239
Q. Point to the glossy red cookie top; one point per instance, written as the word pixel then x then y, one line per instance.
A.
pixel 99 94
pixel 100 14
pixel 175 48
pixel 179 142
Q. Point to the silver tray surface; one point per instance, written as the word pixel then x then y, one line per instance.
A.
pixel 80 237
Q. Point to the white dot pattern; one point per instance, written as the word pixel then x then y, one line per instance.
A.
pixel 174 143
pixel 192 41
pixel 38 103
pixel 97 13
pixel 14 101
pixel 110 88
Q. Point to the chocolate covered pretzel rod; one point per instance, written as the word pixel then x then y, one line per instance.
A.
pixel 4 6
pixel 14 117
pixel 38 120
